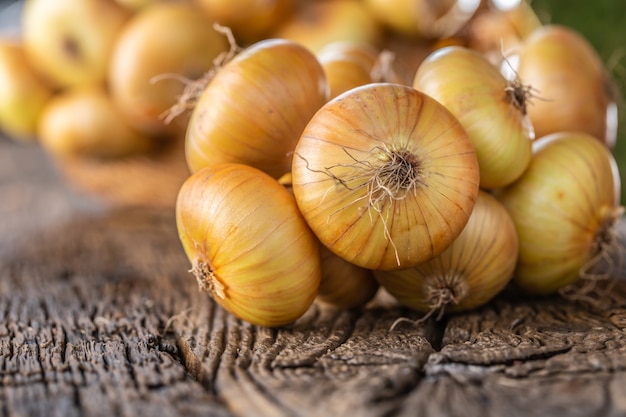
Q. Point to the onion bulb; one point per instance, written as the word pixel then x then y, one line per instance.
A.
pixel 473 270
pixel 491 109
pixel 385 176
pixel 23 92
pixel 344 285
pixel 248 244
pixel 423 18
pixel 158 51
pixel 573 88
pixel 255 107
pixel 315 24
pixel 250 20
pixel 347 65
pixel 565 208
pixel 497 30
pixel 84 121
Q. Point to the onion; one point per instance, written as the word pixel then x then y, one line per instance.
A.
pixel 573 88
pixel 473 270
pixel 344 285
pixel 385 176
pixel 158 47
pixel 565 208
pixel 423 18
pixel 491 109
pixel 248 244
pixel 24 92
pixel 255 107
pixel 498 30
pixel 315 24
pixel 70 42
pixel 347 65
pixel 250 20
pixel 83 121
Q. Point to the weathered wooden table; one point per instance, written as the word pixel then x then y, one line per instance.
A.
pixel 99 316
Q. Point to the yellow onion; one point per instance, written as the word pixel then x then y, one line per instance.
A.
pixel 157 53
pixel 497 30
pixel 250 20
pixel 473 270
pixel 347 65
pixel 565 208
pixel 423 18
pixel 491 109
pixel 23 92
pixel 84 121
pixel 255 107
pixel 573 88
pixel 248 244
pixel 315 24
pixel 344 284
pixel 70 41
pixel 385 176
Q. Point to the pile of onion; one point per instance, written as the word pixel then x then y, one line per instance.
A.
pixel 314 179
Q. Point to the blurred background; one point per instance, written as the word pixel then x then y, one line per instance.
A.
pixel 602 22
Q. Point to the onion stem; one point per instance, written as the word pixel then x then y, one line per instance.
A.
pixel 194 88
pixel 394 174
pixel 207 281
pixel 607 258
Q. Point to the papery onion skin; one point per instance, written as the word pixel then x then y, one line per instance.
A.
pixel 573 88
pixel 566 200
pixel 248 244
pixel 468 85
pixel 159 44
pixel 255 108
pixel 344 285
pixel 347 65
pixel 362 130
pixel 471 272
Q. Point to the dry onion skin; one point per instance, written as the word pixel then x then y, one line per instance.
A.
pixel 250 20
pixel 385 176
pixel 575 90
pixel 565 208
pixel 315 24
pixel 491 109
pixel 347 65
pixel 159 50
pixel 84 122
pixel 344 285
pixel 471 272
pixel 423 18
pixel 248 244
pixel 255 107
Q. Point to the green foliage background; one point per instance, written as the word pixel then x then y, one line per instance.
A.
pixel 603 23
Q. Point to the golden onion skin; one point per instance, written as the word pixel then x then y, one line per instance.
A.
pixel 248 244
pixel 255 108
pixel 574 90
pixel 471 272
pixel 344 285
pixel 475 91
pixel 563 206
pixel 361 131
pixel 160 44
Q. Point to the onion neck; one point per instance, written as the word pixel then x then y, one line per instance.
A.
pixel 605 247
pixel 444 289
pixel 207 280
